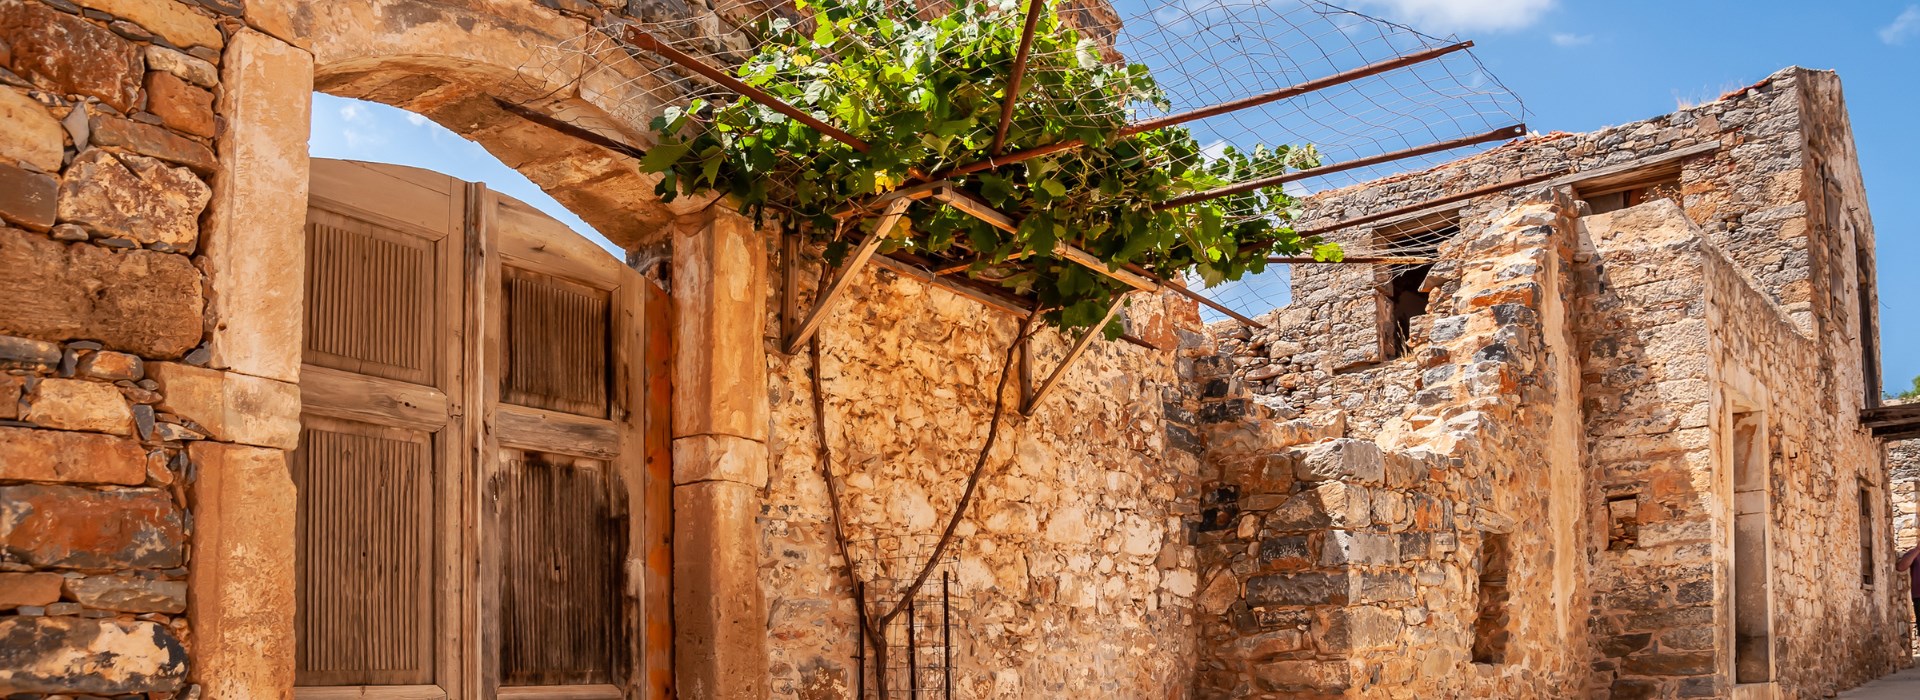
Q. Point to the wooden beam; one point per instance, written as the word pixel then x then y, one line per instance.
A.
pixel 972 206
pixel 844 277
pixel 1079 347
pixel 1007 303
pixel 915 192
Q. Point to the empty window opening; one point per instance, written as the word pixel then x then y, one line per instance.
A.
pixel 1623 521
pixel 1866 535
pixel 1405 292
pixel 1604 197
pixel 1491 628
pixel 1752 608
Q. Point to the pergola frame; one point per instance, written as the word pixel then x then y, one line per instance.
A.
pixel 889 208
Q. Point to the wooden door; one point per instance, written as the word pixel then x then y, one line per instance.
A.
pixel 472 468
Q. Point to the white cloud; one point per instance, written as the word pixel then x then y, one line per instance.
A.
pixel 1566 40
pixel 1463 15
pixel 416 119
pixel 1906 25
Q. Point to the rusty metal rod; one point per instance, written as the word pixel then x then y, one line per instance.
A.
pixel 1369 70
pixel 1510 132
pixel 1182 290
pixel 572 130
pixel 1341 78
pixel 647 41
pixel 1437 201
pixel 1019 72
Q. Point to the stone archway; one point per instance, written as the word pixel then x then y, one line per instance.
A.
pixel 448 60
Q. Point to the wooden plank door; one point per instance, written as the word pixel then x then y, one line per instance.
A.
pixel 563 475
pixel 378 468
pixel 473 472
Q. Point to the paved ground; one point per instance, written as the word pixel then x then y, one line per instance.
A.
pixel 1904 685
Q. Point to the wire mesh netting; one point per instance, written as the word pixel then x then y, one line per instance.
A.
pixel 1201 53
pixel 922 642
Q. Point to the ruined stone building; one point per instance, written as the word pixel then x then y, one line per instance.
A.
pixel 273 426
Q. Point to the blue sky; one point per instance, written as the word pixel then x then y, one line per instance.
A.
pixel 1579 66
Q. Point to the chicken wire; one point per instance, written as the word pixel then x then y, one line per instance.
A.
pixel 1200 52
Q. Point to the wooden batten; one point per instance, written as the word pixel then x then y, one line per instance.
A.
pixel 848 270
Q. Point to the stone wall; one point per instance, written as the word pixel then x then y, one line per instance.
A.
pixel 1342 567
pixel 124 404
pixel 1742 293
pixel 1073 577
pixel 1322 350
pixel 1903 470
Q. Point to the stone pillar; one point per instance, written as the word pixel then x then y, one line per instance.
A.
pixel 720 410
pixel 243 502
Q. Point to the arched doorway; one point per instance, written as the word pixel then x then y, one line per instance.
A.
pixel 472 483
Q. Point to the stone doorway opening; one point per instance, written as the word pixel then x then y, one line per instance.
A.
pixel 472 516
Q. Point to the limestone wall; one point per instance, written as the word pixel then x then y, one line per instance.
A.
pixel 1073 576
pixel 1346 568
pixel 1322 351
pixel 125 405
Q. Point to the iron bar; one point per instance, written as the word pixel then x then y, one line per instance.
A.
pixel 1437 201
pixel 1514 131
pixel 647 41
pixel 573 130
pixel 1182 290
pixel 1019 72
pixel 946 622
pixel 844 277
pixel 913 648
pixel 1079 346
pixel 1341 78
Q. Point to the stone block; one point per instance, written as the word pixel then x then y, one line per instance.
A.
pixel 69 55
pixel 29 133
pixel 72 527
pixel 112 366
pixel 132 593
pixel 134 197
pixel 174 21
pixel 180 106
pixel 150 140
pixel 28 198
pixel 231 406
pixel 1362 548
pixel 720 615
pixel 11 386
pixel 182 66
pixel 720 297
pixel 1286 552
pixel 78 655
pixel 41 589
pixel 1670 664
pixel 1341 459
pixel 1299 588
pixel 721 458
pixel 243 571
pixel 78 404
pixel 256 228
pixel 142 302
pixel 61 456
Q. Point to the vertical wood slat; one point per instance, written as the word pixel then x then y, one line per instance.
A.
pixel 370 304
pixel 560 547
pixel 365 521
pixel 556 344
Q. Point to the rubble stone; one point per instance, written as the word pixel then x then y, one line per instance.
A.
pixel 78 655
pixel 135 197
pixel 129 593
pixel 32 136
pixel 59 456
pixel 31 589
pixel 140 302
pixel 68 55
pixel 178 105
pixel 70 527
pixel 76 404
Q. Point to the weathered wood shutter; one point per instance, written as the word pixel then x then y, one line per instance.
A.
pixel 374 466
pixel 472 391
